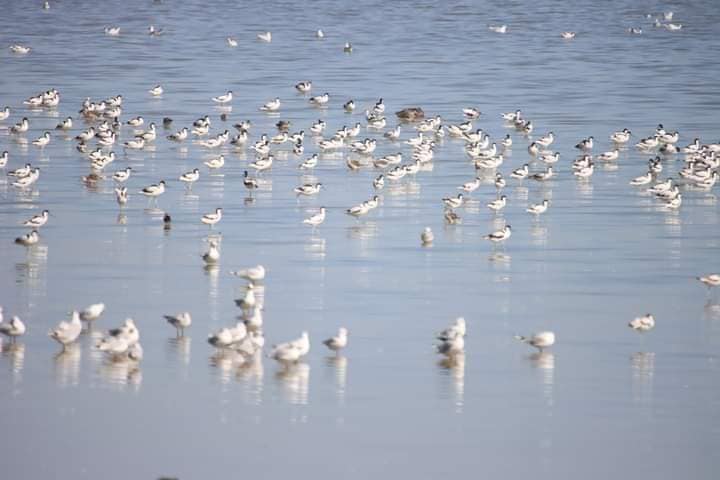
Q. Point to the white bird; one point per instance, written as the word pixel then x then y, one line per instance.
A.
pixel 181 321
pixel 212 218
pixel 42 140
pixel 67 332
pixel 471 186
pixel 215 163
pixel 156 91
pixel 28 239
pixel 20 49
pixel 499 235
pixel 121 195
pixel 262 163
pixel 316 219
pixel 304 86
pixel 540 340
pixel 12 329
pixel 538 208
pixel 265 37
pixel 154 32
pixel 136 121
pixel 348 47
pixel 128 332
pixel 65 124
pixel 271 106
pixel 226 98
pixel 457 329
pixel 339 341
pixel 319 34
pixel 712 280
pixel 621 137
pixel 37 221
pixel 138 143
pixel 308 189
pixel 498 28
pixel 249 300
pixel 451 346
pixel 293 350
pixel 349 106
pixel 642 324
pixel 92 312
pixel 190 177
pixel 20 127
pixel 454 202
pixel 642 179
pixel 568 35
pixel 231 41
pixel 320 100
pixel 212 256
pixel 4 113
pixel 585 144
pixel 255 321
pixel 427 236
pixel 608 156
pixel 498 204
pixel 521 172
pixel 223 338
pixel 112 31
pixel 309 162
pixel 4 159
pixel 253 274
pixel 154 190
pixel 584 172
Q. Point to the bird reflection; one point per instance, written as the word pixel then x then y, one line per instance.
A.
pixel 31 270
pixel 363 230
pixel 251 374
pixel 315 248
pixel 295 380
pixel 67 366
pixel 180 347
pixel 339 364
pixel 455 366
pixel 15 353
pixel 538 234
pixel 121 372
pixel 711 310
pixel 643 370
pixel 544 362
pixel 226 361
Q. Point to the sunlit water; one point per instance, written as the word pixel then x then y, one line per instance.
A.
pixel 604 402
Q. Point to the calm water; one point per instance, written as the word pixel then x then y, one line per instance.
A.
pixel 605 401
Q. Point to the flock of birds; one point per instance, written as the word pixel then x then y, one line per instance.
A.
pixel 103 131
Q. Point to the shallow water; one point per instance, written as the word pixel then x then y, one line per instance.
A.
pixel 605 401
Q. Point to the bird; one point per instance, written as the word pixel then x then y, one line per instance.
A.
pixel 568 35
pixel 223 338
pixel 264 37
pixel 304 86
pixel 643 323
pixel 585 144
pixel 154 32
pixel 459 328
pixel 471 186
pixel 316 219
pixel 212 218
pixel 112 31
pixel 292 351
pixel 29 239
pixel 154 190
pixel 37 221
pixel 65 124
pixel 319 34
pixel 12 329
pixel 67 332
pixel 308 189
pixel 215 162
pixel 190 177
pixel 710 281
pixel 540 340
pixel 642 179
pixel 348 47
pixel 453 202
pixel 498 28
pixel 249 183
pixel 538 208
pixel 349 106
pixel 92 312
pixel 339 341
pixel 521 172
pixel 249 301
pixel 262 163
pixel 180 321
pixel 156 91
pixel 20 49
pixel 4 113
pixel 253 274
pixel 451 346
pixel 212 256
pixel 499 235
pixel 271 106
pixel 498 204
pixel 231 41
pixel 320 100
pixel 620 137
pixel 121 195
pixel 225 98
pixel 427 237
pixel 122 176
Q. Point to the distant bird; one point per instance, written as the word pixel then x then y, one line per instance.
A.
pixel 190 177
pixel 112 31
pixel 538 208
pixel 498 28
pixel 500 235
pixel 620 137
pixel 67 332
pixel 20 49
pixel 37 221
pixel 303 87
pixel 12 329
pixel 568 35
pixel 459 328
pixel 232 42
pixel 540 340
pixel 212 256
pixel 29 239
pixel 154 190
pixel 265 37
pixel 92 312
pixel 249 183
pixel 454 202
pixel 642 324
pixel 348 47
pixel 121 195
pixel 349 106
pixel 254 274
pixel 316 219
pixel 585 144
pixel 319 34
pixel 225 98
pixel 212 218
pixel 181 321
pixel 338 342
pixel 427 237
pixel 710 281
pixel 271 106
pixel 156 91
pixel 154 32
pixel 308 189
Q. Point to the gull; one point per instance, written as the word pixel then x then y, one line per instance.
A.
pixel 65 124
pixel 255 321
pixel 301 345
pixel 42 141
pixel 37 221
pixel 316 219
pixel 212 256
pixel 320 100
pixel 710 281
pixel 265 37
pixel 135 122
pixel 226 98
pixel 67 332
pixel 121 195
pixel 249 183
pixel 642 324
pixel 457 329
pixel 521 172
pixel 180 321
pixel 215 163
pixel 28 239
pixel 190 177
pixel 499 235
pixel 20 49
pixel 248 301
pixel 319 34
pixel 427 236
pixel 349 106
pixel 538 208
pixel 498 204
pixel 262 163
pixel 620 137
pixel 212 218
pixel 12 329
pixel 112 31
pixel 453 202
pixel 471 186
pixel 92 312
pixel 253 274
pixel 232 42
pixel 223 338
pixel 304 86
pixel 116 346
pixel 348 47
pixel 154 190
pixel 568 35
pixel 585 144
pixel 20 127
pixel 156 91
pixel 271 106
pixel 540 340
pixel 127 332
pixel 451 217
pixel 339 341
pixel 498 28
pixel 154 32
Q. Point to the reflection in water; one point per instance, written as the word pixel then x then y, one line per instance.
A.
pixel 67 366
pixel 538 234
pixel 711 309
pixel 15 353
pixel 225 361
pixel 315 248
pixel 339 363
pixel 455 366
pixel 295 380
pixel 643 370
pixel 251 375
pixel 121 372
pixel 363 230
pixel 31 271
pixel 544 362
pixel 180 347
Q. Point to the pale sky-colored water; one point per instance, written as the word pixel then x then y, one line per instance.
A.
pixel 605 401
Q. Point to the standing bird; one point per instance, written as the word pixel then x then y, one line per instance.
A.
pixel 540 340
pixel 316 219
pixel 254 274
pixel 250 183
pixel 180 321
pixel 12 329
pixel 37 221
pixel 339 341
pixel 92 312
pixel 212 218
pixel 67 332
pixel 642 324
pixel 427 237
pixel 710 281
